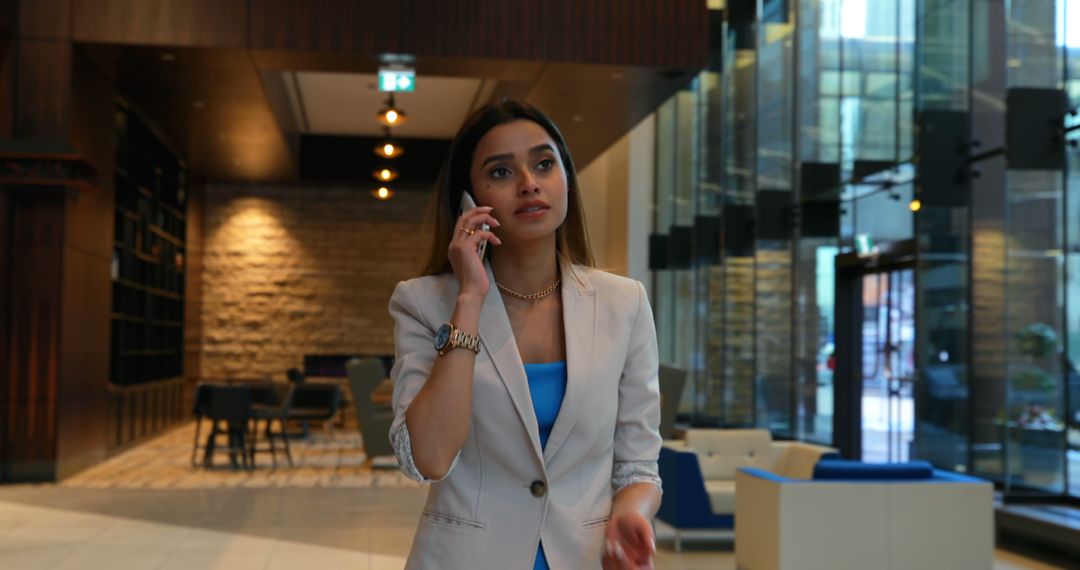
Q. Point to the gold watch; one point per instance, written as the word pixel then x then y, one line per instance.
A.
pixel 448 337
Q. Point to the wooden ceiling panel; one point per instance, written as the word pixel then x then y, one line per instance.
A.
pixel 209 104
pixel 207 23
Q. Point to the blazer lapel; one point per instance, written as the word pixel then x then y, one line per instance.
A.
pixel 579 324
pixel 497 337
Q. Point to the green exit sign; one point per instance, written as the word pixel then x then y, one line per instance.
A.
pixel 397 80
pixel 864 244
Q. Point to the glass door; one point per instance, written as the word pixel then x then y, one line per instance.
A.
pixel 875 353
pixel 888 365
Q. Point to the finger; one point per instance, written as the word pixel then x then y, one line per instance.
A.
pixel 474 212
pixel 480 219
pixel 483 235
pixel 474 237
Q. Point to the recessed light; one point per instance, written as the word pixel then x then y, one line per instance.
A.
pixel 385 174
pixel 198 104
pixel 389 149
pixel 168 56
pixel 577 118
pixel 391 115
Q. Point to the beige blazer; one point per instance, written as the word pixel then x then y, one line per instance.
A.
pixel 485 514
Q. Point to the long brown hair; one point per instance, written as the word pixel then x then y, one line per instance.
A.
pixel 571 239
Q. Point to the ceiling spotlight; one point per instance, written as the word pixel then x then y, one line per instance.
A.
pixel 383 193
pixel 915 205
pixel 391 115
pixel 385 174
pixel 389 149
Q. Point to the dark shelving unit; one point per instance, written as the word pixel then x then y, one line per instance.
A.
pixel 149 255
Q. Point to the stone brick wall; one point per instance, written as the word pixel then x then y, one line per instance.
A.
pixel 296 270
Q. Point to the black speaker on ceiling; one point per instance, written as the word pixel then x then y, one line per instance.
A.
pixel 942 158
pixel 658 252
pixel 774 214
pixel 1034 122
pixel 820 180
pixel 707 238
pixel 738 234
pixel 680 242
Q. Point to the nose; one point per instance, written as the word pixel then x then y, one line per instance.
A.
pixel 528 184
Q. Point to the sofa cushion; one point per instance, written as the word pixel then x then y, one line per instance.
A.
pixel 796 460
pixel 844 469
pixel 721 496
pixel 721 452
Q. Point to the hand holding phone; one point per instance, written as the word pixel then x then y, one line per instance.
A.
pixel 467 203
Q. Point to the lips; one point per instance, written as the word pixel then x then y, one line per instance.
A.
pixel 532 207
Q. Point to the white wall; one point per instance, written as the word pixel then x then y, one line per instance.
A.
pixel 617 192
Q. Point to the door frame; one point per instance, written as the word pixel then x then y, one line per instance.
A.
pixel 848 315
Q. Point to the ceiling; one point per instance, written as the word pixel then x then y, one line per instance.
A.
pixel 328 103
pixel 242 115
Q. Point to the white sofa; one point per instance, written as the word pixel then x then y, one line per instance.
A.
pixel 703 467
pixel 944 521
pixel 721 452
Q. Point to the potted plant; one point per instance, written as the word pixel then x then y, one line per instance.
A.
pixel 1035 431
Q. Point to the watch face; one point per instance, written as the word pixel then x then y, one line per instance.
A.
pixel 442 337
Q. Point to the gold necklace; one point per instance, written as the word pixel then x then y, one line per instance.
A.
pixel 531 296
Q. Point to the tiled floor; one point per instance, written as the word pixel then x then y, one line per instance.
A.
pixel 148 509
pixel 325 459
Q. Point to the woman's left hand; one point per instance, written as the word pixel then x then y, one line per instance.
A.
pixel 629 544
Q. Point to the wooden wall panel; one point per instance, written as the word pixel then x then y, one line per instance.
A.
pixel 7 84
pixel 647 32
pixel 34 348
pixel 208 23
pixel 43 89
pixel 5 310
pixel 45 19
pixel 93 132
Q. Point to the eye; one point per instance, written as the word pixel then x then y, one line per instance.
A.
pixel 545 164
pixel 500 172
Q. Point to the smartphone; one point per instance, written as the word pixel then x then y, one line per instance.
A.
pixel 467 203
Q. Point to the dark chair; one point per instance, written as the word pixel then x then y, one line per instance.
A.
pixel 315 402
pixel 295 376
pixel 201 409
pixel 374 421
pixel 229 411
pixel 274 405
pixel 672 381
pixel 300 402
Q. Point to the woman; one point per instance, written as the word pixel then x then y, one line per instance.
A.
pixel 532 406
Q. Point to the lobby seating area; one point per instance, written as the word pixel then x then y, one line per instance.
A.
pixel 851 515
pixel 702 470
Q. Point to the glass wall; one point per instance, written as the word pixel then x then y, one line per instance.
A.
pixel 845 127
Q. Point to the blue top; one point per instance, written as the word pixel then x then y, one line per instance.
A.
pixel 547 386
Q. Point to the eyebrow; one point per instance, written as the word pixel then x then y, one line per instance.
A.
pixel 507 156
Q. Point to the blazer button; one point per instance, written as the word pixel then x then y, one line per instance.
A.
pixel 538 488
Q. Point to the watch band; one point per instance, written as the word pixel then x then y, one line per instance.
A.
pixel 458 338
pixel 465 340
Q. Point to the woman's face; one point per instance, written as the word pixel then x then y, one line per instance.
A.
pixel 516 169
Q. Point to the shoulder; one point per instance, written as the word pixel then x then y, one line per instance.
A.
pixel 424 290
pixel 426 284
pixel 610 287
